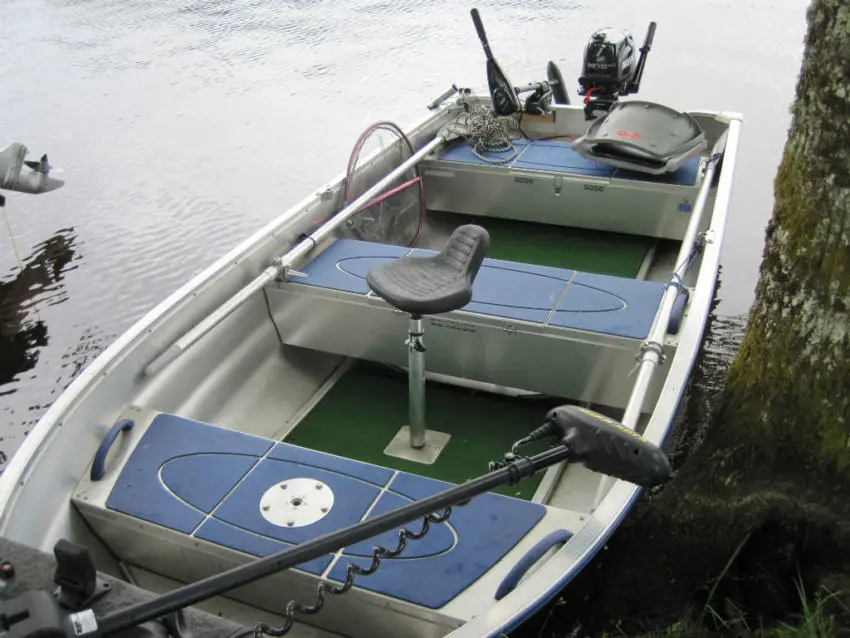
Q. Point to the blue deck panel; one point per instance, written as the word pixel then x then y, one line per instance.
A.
pixel 344 264
pixel 242 507
pixel 207 482
pixel 438 540
pixel 180 474
pixel 611 305
pixel 558 156
pixel 486 528
pixel 526 292
pixel 461 152
pixel 516 294
pixel 138 490
pixel 374 474
pixel 215 531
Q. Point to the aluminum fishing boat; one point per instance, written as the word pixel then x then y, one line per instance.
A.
pixel 353 357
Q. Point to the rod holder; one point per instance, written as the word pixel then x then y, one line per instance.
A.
pixel 416 381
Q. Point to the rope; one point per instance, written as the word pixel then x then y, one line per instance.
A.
pixel 487 133
pixel 11 235
pixel 34 304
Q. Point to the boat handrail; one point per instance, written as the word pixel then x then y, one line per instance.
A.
pixel 652 348
pixel 282 265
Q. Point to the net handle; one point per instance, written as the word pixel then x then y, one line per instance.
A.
pixel 390 193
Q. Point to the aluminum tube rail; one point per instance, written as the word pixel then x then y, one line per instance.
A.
pixel 283 263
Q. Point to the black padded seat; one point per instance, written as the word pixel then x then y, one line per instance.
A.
pixel 437 284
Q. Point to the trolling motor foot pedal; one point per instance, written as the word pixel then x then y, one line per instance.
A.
pixel 76 575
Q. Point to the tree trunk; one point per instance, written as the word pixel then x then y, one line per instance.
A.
pixel 763 502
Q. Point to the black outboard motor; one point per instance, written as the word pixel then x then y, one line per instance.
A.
pixel 611 67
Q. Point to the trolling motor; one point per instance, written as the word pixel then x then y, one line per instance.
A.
pixel 579 435
pixel 505 95
pixel 611 68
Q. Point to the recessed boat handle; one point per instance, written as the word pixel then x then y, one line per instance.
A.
pixel 98 465
pixel 525 563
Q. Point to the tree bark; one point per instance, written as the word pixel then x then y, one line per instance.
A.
pixel 788 392
pixel 763 503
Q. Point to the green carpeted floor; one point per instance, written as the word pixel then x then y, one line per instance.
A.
pixel 368 405
pixel 574 248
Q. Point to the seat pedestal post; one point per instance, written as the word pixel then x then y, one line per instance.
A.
pixel 416 380
pixel 414 442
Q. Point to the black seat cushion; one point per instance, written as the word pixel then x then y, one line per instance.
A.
pixel 432 285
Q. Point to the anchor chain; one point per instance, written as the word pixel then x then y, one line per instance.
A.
pixel 351 570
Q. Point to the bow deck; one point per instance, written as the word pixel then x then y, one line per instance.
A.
pixel 199 490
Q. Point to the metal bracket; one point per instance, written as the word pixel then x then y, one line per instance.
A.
pixel 652 346
pixel 415 343
pixel 436 102
pixel 287 272
pixel 78 580
pixel 709 160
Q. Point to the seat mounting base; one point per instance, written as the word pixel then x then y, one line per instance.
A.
pixel 400 446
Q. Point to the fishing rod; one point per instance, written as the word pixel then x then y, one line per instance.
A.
pixel 579 435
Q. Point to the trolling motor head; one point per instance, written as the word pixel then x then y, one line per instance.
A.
pixel 603 445
pixel 611 67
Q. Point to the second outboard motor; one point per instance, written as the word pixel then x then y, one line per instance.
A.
pixel 25 176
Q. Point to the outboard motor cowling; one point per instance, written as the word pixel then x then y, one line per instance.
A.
pixel 612 67
pixel 610 62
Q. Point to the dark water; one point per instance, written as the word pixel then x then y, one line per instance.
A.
pixel 184 126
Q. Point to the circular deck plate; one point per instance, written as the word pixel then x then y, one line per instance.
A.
pixel 296 502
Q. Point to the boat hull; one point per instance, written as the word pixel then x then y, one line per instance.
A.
pixel 241 351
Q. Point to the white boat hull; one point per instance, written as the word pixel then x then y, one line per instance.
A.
pixel 236 376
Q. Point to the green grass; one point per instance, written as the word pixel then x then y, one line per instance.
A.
pixel 367 406
pixel 815 620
